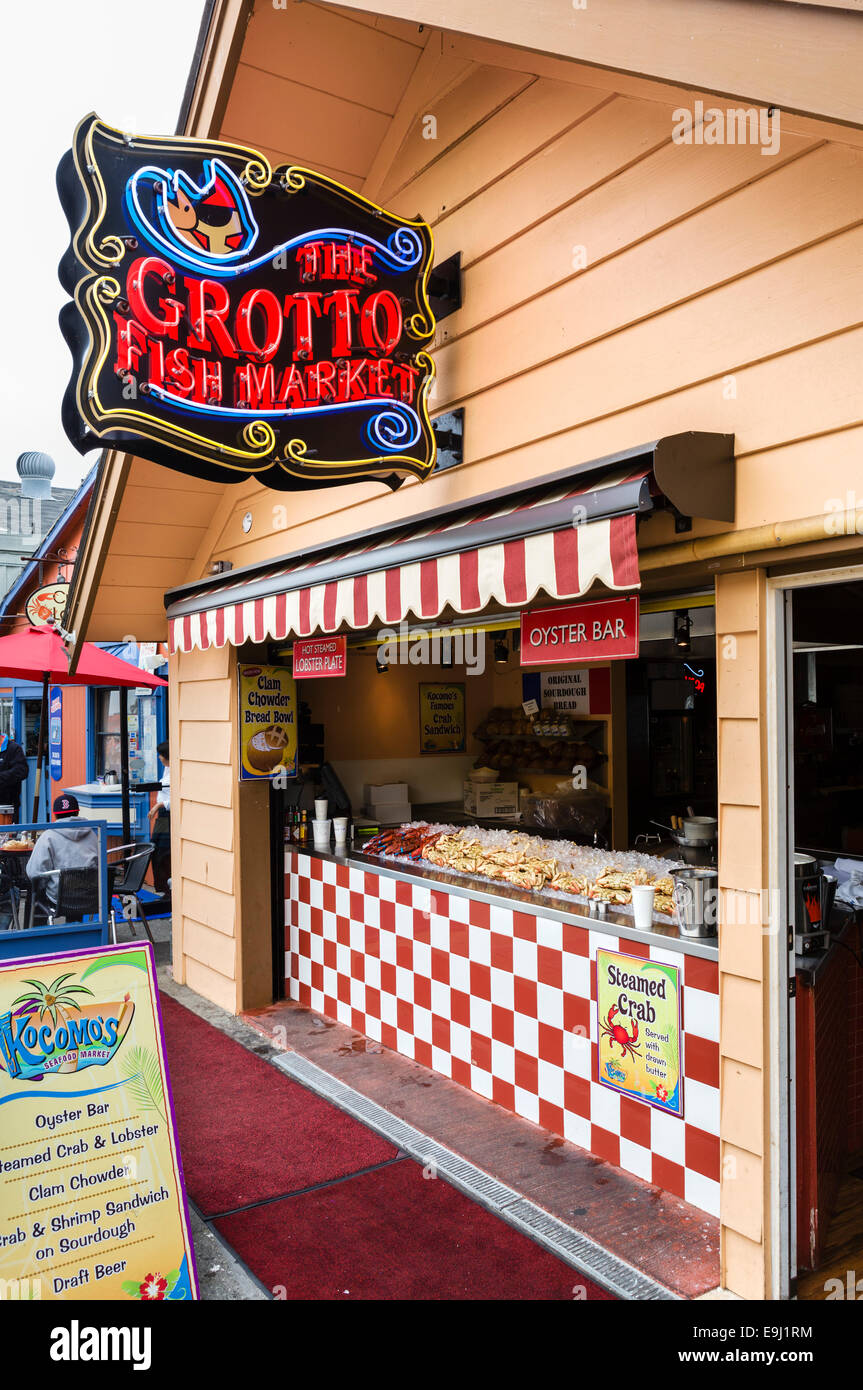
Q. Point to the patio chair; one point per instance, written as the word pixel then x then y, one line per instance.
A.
pixel 77 895
pixel 132 870
pixel 13 883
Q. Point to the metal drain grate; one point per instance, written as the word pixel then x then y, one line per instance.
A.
pixel 576 1249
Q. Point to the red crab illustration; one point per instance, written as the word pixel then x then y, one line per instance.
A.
pixel 618 1034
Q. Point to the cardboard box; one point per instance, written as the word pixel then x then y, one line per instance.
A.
pixel 384 793
pixel 390 813
pixel 491 799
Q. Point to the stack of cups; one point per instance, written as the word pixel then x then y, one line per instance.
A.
pixel 320 825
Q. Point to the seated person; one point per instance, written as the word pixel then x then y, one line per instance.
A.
pixel 74 846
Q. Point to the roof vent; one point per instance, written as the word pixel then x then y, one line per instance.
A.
pixel 35 471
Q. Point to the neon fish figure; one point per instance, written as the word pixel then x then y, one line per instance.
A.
pixel 213 217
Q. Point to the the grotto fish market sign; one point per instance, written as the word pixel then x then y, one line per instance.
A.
pixel 234 320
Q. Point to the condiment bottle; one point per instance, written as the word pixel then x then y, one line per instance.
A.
pixel 304 828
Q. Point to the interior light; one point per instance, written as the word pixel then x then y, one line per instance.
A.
pixel 381 664
pixel 682 627
pixel 501 652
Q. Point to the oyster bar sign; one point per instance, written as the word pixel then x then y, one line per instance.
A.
pixel 603 630
pixel 234 320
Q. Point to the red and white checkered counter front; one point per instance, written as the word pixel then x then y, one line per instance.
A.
pixel 503 1000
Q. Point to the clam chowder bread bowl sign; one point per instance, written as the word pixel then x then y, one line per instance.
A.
pixel 268 722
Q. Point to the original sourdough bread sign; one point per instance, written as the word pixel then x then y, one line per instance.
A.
pixel 233 320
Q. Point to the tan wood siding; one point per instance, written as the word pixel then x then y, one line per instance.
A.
pixel 742 943
pixel 205 875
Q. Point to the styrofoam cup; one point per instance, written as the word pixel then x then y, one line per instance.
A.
pixel 340 829
pixel 321 809
pixel 321 830
pixel 642 905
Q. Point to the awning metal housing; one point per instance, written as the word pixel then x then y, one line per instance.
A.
pixel 556 536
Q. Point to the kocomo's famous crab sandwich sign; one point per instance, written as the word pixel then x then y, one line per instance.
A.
pixel 234 320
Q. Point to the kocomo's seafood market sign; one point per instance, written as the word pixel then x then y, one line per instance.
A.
pixel 234 320
pixel 92 1203
pixel 638 1048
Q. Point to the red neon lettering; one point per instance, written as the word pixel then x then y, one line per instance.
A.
pixel 256 386
pixel 209 305
pixel 165 322
pixel 381 322
pixel 361 271
pixel 352 386
pixel 178 369
pixel 270 311
pixel 326 375
pixel 208 381
pixel 310 259
pixel 156 362
pixel 340 305
pixel 292 391
pixel 304 303
pixel 338 261
pixel 131 343
pixel 378 374
pixel 406 379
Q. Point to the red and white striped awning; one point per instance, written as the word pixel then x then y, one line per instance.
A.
pixel 447 566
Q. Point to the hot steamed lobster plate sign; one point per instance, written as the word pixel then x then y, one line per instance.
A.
pixel 232 320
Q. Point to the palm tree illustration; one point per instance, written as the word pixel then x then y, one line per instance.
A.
pixel 51 1000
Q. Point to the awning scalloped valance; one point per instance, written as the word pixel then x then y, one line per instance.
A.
pixel 552 537
pixel 459 574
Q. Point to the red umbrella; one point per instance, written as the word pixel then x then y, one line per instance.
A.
pixel 39 654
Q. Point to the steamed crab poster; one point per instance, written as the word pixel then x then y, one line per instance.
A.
pixel 638 1011
pixel 92 1203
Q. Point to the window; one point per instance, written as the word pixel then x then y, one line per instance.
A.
pixel 29 739
pixel 107 732
pixel 143 762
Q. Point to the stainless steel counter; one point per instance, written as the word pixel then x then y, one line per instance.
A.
pixel 557 907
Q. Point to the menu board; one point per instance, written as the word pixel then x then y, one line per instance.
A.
pixel 442 717
pixel 268 722
pixel 92 1202
pixel 638 1010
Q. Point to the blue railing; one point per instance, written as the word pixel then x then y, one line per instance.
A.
pixel 18 941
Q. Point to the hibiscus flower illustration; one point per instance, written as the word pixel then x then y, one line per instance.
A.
pixel 661 1092
pixel 153 1288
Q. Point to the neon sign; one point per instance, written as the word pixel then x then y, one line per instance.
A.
pixel 230 320
pixel 695 678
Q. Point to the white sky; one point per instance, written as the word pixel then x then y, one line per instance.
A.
pixel 59 60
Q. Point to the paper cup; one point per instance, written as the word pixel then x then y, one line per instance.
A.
pixel 321 810
pixel 340 829
pixel 321 830
pixel 642 905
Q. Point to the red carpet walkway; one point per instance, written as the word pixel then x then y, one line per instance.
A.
pixel 319 1206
